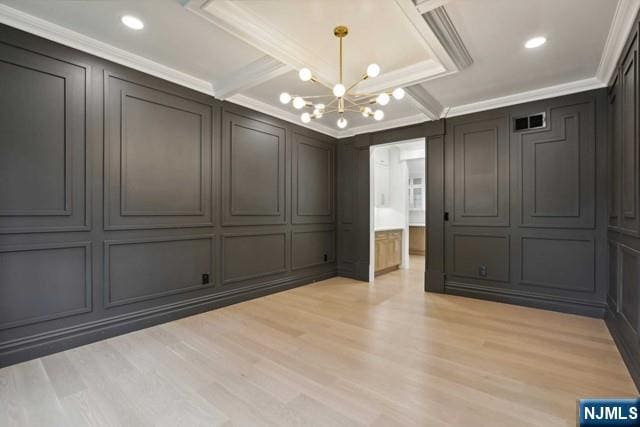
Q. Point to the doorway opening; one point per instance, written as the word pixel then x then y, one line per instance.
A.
pixel 397 207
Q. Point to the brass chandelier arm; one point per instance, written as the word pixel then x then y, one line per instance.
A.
pixel 350 101
pixel 340 59
pixel 333 101
pixel 342 99
pixel 363 78
pixel 313 96
pixel 367 102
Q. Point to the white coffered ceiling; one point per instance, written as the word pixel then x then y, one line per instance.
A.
pixel 248 51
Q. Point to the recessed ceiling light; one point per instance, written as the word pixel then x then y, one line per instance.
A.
pixel 535 42
pixel 132 22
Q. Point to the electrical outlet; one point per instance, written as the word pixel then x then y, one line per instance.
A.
pixel 482 270
pixel 205 278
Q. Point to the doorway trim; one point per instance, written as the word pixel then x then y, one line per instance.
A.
pixel 360 254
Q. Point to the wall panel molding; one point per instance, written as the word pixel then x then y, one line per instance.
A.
pixel 42 271
pixel 172 159
pixel 623 296
pixel 145 166
pixel 566 263
pixel 313 180
pixel 156 273
pixel 43 152
pixel 253 171
pixel 629 304
pixel 614 153
pixel 268 250
pixel 481 172
pixel 557 167
pixel 309 247
pixel 469 250
pixel 555 214
pixel 629 175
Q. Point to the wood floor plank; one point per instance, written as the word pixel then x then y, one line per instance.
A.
pixel 337 352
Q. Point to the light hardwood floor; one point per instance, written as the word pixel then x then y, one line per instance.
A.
pixel 338 352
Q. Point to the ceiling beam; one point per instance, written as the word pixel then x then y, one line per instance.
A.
pixel 425 6
pixel 257 72
pixel 425 102
pixel 440 23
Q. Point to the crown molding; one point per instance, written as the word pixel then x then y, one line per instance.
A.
pixel 279 113
pixel 623 20
pixel 34 25
pixel 259 71
pixel 263 107
pixel 388 124
pixel 528 96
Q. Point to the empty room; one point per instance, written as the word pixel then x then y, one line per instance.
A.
pixel 319 213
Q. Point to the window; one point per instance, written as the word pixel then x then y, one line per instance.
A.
pixel 416 193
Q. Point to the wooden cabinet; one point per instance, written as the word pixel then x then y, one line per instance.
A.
pixel 417 240
pixel 388 251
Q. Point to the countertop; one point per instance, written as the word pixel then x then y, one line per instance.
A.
pixel 417 225
pixel 389 228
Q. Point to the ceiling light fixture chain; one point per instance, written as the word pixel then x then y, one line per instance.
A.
pixel 361 102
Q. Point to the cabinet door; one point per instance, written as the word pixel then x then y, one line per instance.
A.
pixel 381 185
pixel 397 251
pixel 378 264
pixel 384 254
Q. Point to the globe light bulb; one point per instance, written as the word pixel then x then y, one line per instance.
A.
pixel 305 117
pixel 304 74
pixel 383 99
pixel 398 93
pixel 373 70
pixel 366 111
pixel 285 98
pixel 378 115
pixel 342 123
pixel 298 102
pixel 339 90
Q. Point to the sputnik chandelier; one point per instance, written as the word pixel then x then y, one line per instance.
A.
pixel 345 99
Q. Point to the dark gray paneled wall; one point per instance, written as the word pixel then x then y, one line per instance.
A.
pixel 525 225
pixel 623 314
pixel 527 210
pixel 127 201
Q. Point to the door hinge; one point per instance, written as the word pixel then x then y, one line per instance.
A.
pixel 446 216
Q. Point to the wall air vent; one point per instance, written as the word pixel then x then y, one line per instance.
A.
pixel 533 121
